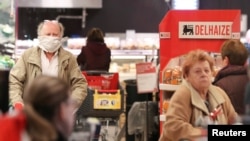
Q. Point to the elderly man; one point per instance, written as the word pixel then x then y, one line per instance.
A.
pixel 48 58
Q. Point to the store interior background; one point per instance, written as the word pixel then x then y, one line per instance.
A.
pixel 115 16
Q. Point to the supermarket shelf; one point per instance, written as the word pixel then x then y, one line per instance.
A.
pixel 76 52
pixel 131 57
pixel 134 52
pixel 121 53
pixel 168 87
pixel 128 57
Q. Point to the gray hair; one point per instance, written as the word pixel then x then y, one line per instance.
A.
pixel 40 26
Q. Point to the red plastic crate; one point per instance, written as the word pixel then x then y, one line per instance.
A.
pixel 101 80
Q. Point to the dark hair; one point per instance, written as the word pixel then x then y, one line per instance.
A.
pixel 194 57
pixel 42 99
pixel 235 51
pixel 95 35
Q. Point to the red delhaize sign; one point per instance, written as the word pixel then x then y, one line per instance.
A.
pixel 183 30
pixel 205 30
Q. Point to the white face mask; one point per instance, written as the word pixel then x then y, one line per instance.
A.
pixel 49 43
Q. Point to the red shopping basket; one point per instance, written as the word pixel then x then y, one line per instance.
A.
pixel 99 93
pixel 101 80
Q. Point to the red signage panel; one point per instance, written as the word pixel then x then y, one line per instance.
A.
pixel 183 30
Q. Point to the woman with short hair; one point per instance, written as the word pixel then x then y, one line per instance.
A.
pixel 196 101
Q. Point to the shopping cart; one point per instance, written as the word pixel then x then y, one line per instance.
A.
pixel 105 96
pixel 103 101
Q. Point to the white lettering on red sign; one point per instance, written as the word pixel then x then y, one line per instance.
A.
pixel 205 30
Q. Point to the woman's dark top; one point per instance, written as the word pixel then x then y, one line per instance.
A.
pixel 233 80
pixel 94 56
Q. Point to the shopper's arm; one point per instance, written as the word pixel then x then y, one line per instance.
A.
pixel 78 82
pixel 229 110
pixel 16 81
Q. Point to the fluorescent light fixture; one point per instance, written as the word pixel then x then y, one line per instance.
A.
pixel 185 4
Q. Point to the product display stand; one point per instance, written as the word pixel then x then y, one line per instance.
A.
pixel 181 31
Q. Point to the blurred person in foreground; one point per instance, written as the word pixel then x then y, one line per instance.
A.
pixel 232 78
pixel 46 115
pixel 48 58
pixel 95 55
pixel 247 40
pixel 191 106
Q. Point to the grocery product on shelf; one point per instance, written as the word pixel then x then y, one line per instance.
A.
pixel 6 62
pixel 172 76
pixel 165 106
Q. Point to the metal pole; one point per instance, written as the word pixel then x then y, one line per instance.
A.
pixel 146 131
